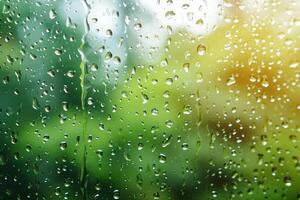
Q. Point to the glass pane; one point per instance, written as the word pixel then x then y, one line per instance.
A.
pixel 164 99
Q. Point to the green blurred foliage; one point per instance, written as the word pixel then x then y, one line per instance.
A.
pixel 217 117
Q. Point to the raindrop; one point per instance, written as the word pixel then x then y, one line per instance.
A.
pixel 35 104
pixel 294 65
pixel 137 26
pixel 186 67
pixel 116 194
pixel 162 158
pixel 169 14
pixel 201 50
pixel 52 14
pixel 58 52
pixel 94 67
pixel 231 81
pixel 287 181
pixel 200 22
pixel 63 145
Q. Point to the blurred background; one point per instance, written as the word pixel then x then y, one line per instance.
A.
pixel 164 99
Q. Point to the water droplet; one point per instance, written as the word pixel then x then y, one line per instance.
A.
pixel 35 104
pixel 108 33
pixel 252 78
pixel 138 26
pixel 46 138
pixel 63 145
pixel 116 194
pixel 162 158
pixel 156 195
pixel 169 81
pixel 169 123
pixel 65 106
pixel 52 14
pixel 94 67
pixel 145 98
pixel 154 111
pixel 51 72
pixel 294 65
pixel 185 146
pixel 265 82
pixel 6 9
pixel 94 20
pixel 200 22
pixel 9 59
pixel 47 108
pixel 201 50
pixel 187 109
pixel 58 52
pixel 71 73
pixel 287 181
pixel 186 67
pixel 117 60
pixel 231 81
pixel 169 14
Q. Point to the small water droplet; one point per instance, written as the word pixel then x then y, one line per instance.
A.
pixel 200 22
pixel 51 72
pixel 47 108
pixel 52 14
pixel 231 81
pixel 58 52
pixel 94 67
pixel 71 73
pixel 154 111
pixel 169 14
pixel 162 158
pixel 185 146
pixel 35 104
pixel 186 67
pixel 63 145
pixel 116 194
pixel 201 50
pixel 108 33
pixel 265 82
pixel 145 98
pixel 169 123
pixel 294 65
pixel 187 109
pixel 138 26
pixel 288 181
pixel 169 81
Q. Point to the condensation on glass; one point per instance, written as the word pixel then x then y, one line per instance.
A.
pixel 141 99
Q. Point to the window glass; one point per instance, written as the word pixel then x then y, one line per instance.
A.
pixel 149 99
